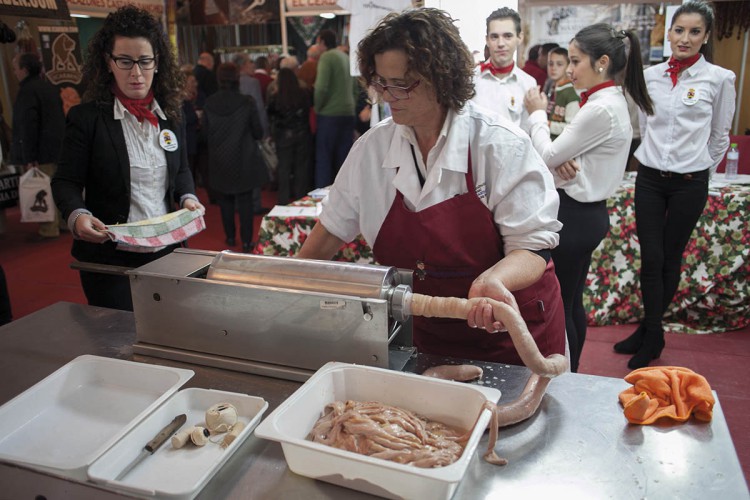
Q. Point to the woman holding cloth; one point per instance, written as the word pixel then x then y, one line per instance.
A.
pixel 589 156
pixel 124 158
pixel 447 191
pixel 681 144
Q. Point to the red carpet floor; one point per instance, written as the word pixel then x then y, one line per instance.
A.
pixel 38 275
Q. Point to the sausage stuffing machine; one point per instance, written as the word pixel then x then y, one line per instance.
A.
pixel 275 316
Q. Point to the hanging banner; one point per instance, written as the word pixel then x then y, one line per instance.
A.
pixel 61 57
pixel 51 9
pixel 312 7
pixel 203 12
pixel 307 27
pixel 155 7
pixel 253 11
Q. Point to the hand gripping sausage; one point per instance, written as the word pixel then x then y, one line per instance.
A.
pixel 543 369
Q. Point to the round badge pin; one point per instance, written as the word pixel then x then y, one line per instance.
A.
pixel 168 140
pixel 690 96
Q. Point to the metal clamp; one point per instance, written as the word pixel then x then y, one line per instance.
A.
pixel 396 298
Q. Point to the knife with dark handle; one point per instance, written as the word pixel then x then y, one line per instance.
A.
pixel 154 444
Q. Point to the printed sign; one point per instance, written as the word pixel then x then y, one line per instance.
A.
pixel 51 9
pixel 61 56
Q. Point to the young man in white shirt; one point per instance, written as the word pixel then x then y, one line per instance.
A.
pixel 500 84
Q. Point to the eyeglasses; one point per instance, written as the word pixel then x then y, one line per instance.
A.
pixel 398 93
pixel 127 63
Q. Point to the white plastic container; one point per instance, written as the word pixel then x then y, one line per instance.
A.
pixel 67 420
pixel 172 473
pixel 451 403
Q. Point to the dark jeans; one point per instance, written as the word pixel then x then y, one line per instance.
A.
pixel 333 141
pixel 666 212
pixel 584 226
pixel 113 291
pixel 243 203
pixel 293 150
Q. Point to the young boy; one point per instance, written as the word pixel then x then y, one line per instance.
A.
pixel 563 99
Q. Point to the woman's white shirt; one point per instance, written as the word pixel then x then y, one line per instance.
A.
pixel 148 168
pixel 509 178
pixel 598 138
pixel 689 130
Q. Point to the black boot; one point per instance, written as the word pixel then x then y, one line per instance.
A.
pixel 631 344
pixel 653 343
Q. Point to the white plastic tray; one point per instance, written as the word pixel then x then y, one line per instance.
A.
pixel 67 420
pixel 175 473
pixel 452 403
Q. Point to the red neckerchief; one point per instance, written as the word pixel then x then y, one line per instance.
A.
pixel 585 95
pixel 495 71
pixel 677 65
pixel 138 107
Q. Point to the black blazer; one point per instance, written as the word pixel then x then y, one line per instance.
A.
pixel 94 172
pixel 38 122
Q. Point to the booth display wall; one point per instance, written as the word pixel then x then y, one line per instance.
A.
pixel 49 29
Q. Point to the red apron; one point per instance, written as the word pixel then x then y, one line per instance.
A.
pixel 448 245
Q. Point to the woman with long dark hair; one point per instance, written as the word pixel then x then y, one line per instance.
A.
pixel 681 144
pixel 589 156
pixel 125 148
pixel 288 111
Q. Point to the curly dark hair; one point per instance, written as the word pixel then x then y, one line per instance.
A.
pixel 132 22
pixel 434 51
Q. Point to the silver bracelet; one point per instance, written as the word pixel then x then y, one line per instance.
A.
pixel 75 219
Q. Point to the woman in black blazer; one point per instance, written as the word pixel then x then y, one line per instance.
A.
pixel 120 162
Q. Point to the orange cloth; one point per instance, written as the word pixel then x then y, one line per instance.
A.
pixel 666 392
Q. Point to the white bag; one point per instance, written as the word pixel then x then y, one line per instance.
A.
pixel 35 197
pixel 268 151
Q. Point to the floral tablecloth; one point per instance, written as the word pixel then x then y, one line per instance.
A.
pixel 714 291
pixel 714 294
pixel 285 235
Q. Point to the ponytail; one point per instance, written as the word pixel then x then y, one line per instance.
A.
pixel 601 39
pixel 635 83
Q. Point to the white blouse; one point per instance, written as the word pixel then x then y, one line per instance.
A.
pixel 509 178
pixel 148 168
pixel 689 130
pixel 598 138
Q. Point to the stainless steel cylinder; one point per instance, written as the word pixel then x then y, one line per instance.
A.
pixel 341 278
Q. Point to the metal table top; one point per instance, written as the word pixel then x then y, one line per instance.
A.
pixel 578 445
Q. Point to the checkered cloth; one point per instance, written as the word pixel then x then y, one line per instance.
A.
pixel 160 231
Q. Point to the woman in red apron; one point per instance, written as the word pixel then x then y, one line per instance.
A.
pixel 447 191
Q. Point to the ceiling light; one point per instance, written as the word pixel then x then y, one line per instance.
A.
pixel 328 15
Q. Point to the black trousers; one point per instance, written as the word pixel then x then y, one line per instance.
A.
pixel 666 212
pixel 584 226
pixel 113 291
pixel 294 173
pixel 242 203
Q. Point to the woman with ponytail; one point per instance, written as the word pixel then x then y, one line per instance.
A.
pixel 681 144
pixel 589 157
